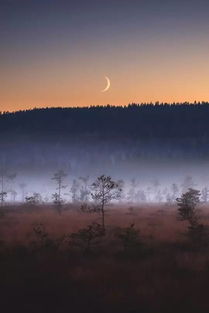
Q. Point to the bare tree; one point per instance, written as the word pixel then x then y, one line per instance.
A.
pixel 4 178
pixel 3 195
pixel 55 197
pixel 59 178
pixel 104 190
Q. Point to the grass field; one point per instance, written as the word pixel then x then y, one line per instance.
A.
pixel 42 270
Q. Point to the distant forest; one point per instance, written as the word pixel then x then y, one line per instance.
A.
pixel 159 120
pixel 122 141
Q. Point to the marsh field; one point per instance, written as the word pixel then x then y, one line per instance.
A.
pixel 144 262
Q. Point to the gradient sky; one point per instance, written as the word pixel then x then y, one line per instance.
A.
pixel 56 52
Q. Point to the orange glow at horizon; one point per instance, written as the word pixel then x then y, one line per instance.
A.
pixel 149 74
pixel 57 53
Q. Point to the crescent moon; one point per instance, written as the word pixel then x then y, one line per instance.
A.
pixel 108 84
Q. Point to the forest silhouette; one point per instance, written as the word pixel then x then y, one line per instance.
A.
pixel 159 120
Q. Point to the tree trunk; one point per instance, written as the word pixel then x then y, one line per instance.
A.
pixel 103 218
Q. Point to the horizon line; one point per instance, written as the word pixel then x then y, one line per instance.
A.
pixel 156 103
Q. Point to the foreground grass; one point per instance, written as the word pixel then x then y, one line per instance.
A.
pixel 165 273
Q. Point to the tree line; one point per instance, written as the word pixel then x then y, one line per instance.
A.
pixel 159 120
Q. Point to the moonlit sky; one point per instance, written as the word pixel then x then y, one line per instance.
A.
pixel 57 52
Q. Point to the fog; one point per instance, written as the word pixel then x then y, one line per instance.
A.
pixel 148 172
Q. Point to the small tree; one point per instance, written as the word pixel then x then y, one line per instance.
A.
pixel 3 196
pixel 187 211
pixel 34 199
pixel 187 204
pixel 85 238
pixel 59 177
pixel 55 197
pixel 3 193
pixel 104 190
pixel 86 208
pixel 43 241
pixel 5 177
pixel 130 238
pixel 198 233
pixel 41 234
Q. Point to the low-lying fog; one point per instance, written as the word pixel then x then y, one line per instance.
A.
pixel 155 171
pixel 144 181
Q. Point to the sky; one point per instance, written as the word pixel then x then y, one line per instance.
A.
pixel 58 52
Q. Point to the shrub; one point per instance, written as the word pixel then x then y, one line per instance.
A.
pixel 130 238
pixel 43 239
pixel 87 237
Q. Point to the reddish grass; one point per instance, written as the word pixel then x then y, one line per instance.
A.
pixel 170 277
pixel 160 223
